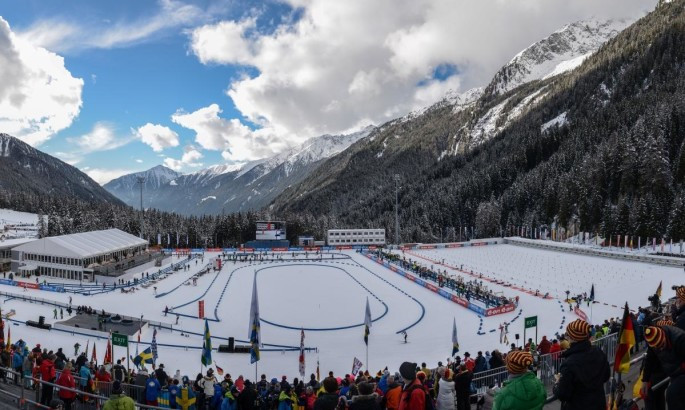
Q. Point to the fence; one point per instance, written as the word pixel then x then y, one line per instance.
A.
pixel 27 392
pixel 548 365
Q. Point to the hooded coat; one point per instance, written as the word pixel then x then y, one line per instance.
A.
pixel 446 394
pixel 524 392
pixel 584 370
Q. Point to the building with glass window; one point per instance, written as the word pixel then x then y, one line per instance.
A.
pixel 370 236
pixel 81 256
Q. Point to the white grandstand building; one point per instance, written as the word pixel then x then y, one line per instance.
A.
pixel 81 256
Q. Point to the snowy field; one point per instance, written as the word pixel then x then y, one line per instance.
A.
pixel 327 299
pixel 26 224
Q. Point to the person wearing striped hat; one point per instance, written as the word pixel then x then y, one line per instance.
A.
pixel 679 314
pixel 665 358
pixel 583 371
pixel 522 390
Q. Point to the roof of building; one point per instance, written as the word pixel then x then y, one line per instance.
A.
pixel 83 245
pixel 11 243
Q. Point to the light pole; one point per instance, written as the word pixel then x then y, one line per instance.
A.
pixel 397 215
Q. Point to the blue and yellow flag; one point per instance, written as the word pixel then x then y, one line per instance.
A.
pixel 455 340
pixel 207 347
pixel 186 399
pixel 143 357
pixel 367 322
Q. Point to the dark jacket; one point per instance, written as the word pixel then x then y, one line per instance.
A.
pixel 462 383
pixel 667 362
pixel 326 402
pixel 679 318
pixel 161 376
pixel 364 402
pixel 247 398
pixel 584 370
pixel 496 362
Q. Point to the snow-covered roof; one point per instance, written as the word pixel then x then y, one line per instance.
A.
pixel 11 243
pixel 83 245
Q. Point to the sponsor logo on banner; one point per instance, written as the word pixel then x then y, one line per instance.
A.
pixel 373 248
pixel 432 287
pixel 454 245
pixel 51 288
pixel 580 313
pixel 8 282
pixel 479 244
pixel 477 309
pixel 213 249
pixel 280 249
pixel 420 282
pixel 343 247
pixel 246 249
pixel 28 285
pixel 459 301
pixel 500 310
pixel 444 294
pixel 410 277
pixel 393 268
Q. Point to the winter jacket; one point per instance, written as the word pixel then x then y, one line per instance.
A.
pixel 27 366
pixel 119 372
pixel 285 402
pixel 392 397
pixel 364 402
pixel 413 397
pixel 524 392
pixel 462 384
pixel 446 394
pixel 555 348
pixel 667 362
pixel 47 370
pixel 247 398
pixel 545 346
pixel 119 402
pixel 309 400
pixel 481 365
pixel 174 390
pixel 84 374
pixel 326 402
pixel 679 318
pixel 470 364
pixel 66 379
pixel 152 389
pixel 584 370
pixel 161 376
pixel 228 403
pixel 17 360
pixel 496 361
pixel 207 384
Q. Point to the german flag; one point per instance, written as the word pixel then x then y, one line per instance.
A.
pixel 626 340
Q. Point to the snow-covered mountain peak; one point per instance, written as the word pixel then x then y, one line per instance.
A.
pixel 561 51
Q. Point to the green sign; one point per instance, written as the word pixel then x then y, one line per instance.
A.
pixel 530 322
pixel 119 340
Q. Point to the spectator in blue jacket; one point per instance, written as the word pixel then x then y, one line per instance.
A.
pixel 152 389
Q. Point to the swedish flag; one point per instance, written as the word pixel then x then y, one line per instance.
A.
pixel 207 347
pixel 143 357
pixel 186 399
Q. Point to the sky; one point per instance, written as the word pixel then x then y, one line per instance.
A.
pixel 119 87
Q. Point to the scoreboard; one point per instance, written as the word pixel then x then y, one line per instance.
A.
pixel 270 230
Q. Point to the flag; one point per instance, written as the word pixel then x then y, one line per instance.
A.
pixel 455 341
pixel 186 399
pixel 219 370
pixel 626 340
pixel 108 353
pixel 143 357
pixel 207 347
pixel 254 331
pixel 138 344
pixel 153 346
pixel 592 293
pixel 356 366
pixel 87 345
pixel 94 357
pixel 302 366
pixel 9 339
pixel 367 322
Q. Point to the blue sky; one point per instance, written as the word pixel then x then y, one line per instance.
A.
pixel 116 87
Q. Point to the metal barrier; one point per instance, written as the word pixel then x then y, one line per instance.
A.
pixel 547 366
pixel 84 400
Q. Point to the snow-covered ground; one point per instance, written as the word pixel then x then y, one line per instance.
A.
pixel 14 224
pixel 320 295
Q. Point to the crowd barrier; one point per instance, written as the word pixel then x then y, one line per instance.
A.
pixel 186 251
pixel 451 245
pixel 31 285
pixel 497 310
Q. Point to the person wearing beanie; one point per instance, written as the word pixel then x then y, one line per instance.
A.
pixel 584 370
pixel 446 390
pixel 522 390
pixel 328 400
pixel 118 400
pixel 679 314
pixel 413 393
pixel 367 399
pixel 665 358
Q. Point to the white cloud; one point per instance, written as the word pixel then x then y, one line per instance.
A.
pixel 157 136
pixel 236 141
pixel 103 176
pixel 345 62
pixel 140 161
pixel 63 35
pixel 38 95
pixel 190 158
pixel 101 138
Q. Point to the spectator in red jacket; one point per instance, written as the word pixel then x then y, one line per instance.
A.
pixel 413 394
pixel 66 379
pixel 47 373
pixel 469 362
pixel 545 346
